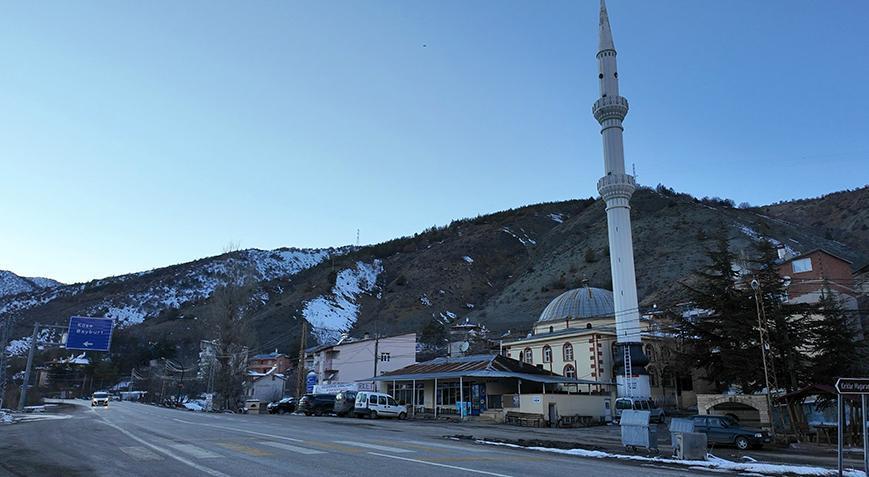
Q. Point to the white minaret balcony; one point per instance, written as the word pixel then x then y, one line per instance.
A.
pixel 610 108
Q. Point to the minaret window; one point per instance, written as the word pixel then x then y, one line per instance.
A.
pixel 616 74
pixel 600 76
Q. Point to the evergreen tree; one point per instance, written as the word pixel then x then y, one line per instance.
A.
pixel 725 343
pixel 788 324
pixel 835 351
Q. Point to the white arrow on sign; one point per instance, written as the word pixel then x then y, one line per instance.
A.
pixel 87 344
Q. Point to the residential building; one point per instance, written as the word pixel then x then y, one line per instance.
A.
pixel 266 387
pixel 360 359
pixel 261 363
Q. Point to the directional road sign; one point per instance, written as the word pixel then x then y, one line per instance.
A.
pixel 852 386
pixel 90 334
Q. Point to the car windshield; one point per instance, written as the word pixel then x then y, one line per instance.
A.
pixel 101 395
pixel 623 404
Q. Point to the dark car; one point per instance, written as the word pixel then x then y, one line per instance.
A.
pixel 283 406
pixel 726 430
pixel 317 404
pixel 345 401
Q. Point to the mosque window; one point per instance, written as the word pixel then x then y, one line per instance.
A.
pixel 569 371
pixel 588 325
pixel 547 354
pixel 568 352
pixel 529 358
pixel 551 329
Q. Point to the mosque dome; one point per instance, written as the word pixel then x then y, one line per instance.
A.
pixel 582 303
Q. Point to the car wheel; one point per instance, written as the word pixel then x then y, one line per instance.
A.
pixel 742 443
pixel 402 416
pixel 373 415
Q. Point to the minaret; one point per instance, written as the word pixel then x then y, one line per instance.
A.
pixel 616 188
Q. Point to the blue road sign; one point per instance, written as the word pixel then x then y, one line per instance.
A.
pixel 90 334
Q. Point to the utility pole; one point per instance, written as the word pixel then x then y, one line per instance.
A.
pixel 300 370
pixel 5 328
pixel 762 331
pixel 22 398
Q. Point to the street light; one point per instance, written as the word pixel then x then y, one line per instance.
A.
pixel 761 328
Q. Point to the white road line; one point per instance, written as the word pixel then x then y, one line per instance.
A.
pixel 300 450
pixel 194 451
pixel 227 428
pixel 474 471
pixel 171 454
pixel 376 447
pixel 447 446
pixel 140 453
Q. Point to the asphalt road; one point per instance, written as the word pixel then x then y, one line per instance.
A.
pixel 137 439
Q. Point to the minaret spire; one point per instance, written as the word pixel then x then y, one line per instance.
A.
pixel 606 34
pixel 616 188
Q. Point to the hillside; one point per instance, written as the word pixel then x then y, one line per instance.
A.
pixel 12 284
pixel 840 216
pixel 500 269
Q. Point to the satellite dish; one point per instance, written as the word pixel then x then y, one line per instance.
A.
pixel 464 346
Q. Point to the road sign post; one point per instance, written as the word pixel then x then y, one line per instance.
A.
pixel 89 334
pixel 853 386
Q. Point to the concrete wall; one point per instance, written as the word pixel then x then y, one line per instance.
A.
pixel 565 405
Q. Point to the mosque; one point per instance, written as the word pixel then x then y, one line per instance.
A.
pixel 576 337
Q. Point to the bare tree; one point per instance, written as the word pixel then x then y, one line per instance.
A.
pixel 228 306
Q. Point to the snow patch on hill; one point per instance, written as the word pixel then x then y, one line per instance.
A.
pixel 147 294
pixel 331 315
pixel 12 284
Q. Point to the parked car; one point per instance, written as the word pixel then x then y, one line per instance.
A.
pixel 726 430
pixel 345 402
pixel 252 406
pixel 100 398
pixel 656 414
pixel 376 405
pixel 285 405
pixel 317 404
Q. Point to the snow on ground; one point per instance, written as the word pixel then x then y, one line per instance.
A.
pixel 425 300
pixel 468 259
pixel 5 418
pixel 195 405
pixel 558 218
pixel 714 463
pixel 20 346
pixel 331 315
pixel 191 282
pixel 754 235
pixel 525 239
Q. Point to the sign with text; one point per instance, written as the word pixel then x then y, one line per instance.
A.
pixel 89 334
pixel 852 386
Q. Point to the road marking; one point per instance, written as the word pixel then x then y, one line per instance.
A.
pixel 244 449
pixel 140 453
pixel 474 471
pixel 300 450
pixel 227 428
pixel 161 450
pixel 376 447
pixel 194 451
pixel 446 446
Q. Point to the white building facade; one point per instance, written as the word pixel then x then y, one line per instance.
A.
pixel 359 360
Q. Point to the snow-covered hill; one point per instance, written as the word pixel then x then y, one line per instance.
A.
pixel 12 284
pixel 134 297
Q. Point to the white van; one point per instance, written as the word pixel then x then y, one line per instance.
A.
pixel 376 405
pixel 656 414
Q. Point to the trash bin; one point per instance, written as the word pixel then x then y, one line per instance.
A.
pixel 636 431
pixel 690 446
pixel 678 425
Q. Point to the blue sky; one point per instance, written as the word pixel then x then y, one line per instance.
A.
pixel 135 135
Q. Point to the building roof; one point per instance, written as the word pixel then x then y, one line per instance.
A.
pixel 607 330
pixel 805 254
pixel 478 366
pixel 585 302
pixel 272 355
